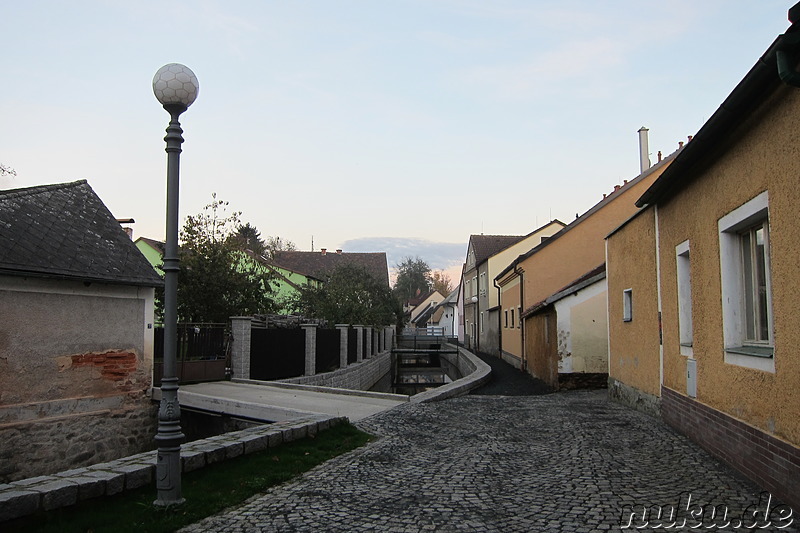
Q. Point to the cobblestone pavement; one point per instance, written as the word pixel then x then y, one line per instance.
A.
pixel 559 462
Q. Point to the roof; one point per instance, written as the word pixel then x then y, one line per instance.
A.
pixel 65 231
pixel 708 143
pixel 607 199
pixel 154 244
pixel 485 246
pixel 319 265
pixel 590 278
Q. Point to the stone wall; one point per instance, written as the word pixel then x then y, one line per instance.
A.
pixel 357 376
pixel 75 369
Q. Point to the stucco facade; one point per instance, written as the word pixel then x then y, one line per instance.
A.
pixel 721 258
pixel 75 371
pixel 634 346
pixel 569 254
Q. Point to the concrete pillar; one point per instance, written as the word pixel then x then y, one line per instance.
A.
pixel 369 342
pixel 343 330
pixel 376 340
pixel 311 348
pixel 240 347
pixel 359 344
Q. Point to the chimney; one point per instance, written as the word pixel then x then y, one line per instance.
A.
pixel 128 230
pixel 680 145
pixel 323 250
pixel 339 251
pixel 659 156
pixel 644 149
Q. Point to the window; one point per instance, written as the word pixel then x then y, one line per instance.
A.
pixel 481 320
pixel 627 305
pixel 512 318
pixel 519 315
pixel 684 297
pixel 506 315
pixel 746 285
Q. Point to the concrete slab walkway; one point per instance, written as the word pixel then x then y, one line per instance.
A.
pixel 571 462
pixel 278 402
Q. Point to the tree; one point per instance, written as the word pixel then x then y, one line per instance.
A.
pixel 350 295
pixel 276 244
pixel 217 279
pixel 413 278
pixel 440 280
pixel 250 238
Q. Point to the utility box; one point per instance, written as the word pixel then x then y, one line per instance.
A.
pixel 691 377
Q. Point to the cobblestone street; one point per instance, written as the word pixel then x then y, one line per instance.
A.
pixel 558 462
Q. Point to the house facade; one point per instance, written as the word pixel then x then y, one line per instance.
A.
pixel 77 328
pixel 559 261
pixel 714 255
pixel 487 255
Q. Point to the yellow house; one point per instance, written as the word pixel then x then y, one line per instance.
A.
pixel 704 283
pixel 555 264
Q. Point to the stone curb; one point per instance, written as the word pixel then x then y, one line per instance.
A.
pixel 24 497
pixel 478 374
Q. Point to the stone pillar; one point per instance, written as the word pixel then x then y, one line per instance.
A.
pixel 369 342
pixel 359 344
pixel 388 341
pixel 343 330
pixel 376 340
pixel 311 348
pixel 240 348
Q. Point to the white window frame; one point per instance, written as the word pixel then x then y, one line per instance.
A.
pixel 627 305
pixel 481 321
pixel 738 351
pixel 684 279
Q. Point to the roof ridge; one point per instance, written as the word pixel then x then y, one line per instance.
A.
pixel 36 189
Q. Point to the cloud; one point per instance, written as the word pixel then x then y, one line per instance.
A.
pixel 438 255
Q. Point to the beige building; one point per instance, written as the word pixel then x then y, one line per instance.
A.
pixel 487 255
pixel 558 262
pixel 704 283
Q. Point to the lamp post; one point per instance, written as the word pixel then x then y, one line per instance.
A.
pixel 176 87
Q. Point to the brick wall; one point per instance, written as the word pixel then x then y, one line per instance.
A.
pixel 769 462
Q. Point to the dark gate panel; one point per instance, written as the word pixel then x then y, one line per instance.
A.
pixel 277 353
pixel 328 348
pixel 201 352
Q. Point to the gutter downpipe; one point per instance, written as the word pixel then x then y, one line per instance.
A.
pixel 521 274
pixel 499 320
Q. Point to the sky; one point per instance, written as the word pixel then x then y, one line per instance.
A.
pixel 395 125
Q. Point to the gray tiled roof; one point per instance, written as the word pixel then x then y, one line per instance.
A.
pixel 319 265
pixel 65 231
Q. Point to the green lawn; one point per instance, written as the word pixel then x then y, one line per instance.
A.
pixel 207 491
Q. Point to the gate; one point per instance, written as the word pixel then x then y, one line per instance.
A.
pixel 202 353
pixel 277 353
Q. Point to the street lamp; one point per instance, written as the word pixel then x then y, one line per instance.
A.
pixel 175 86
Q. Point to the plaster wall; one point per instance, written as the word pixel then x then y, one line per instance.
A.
pixel 75 367
pixel 634 357
pixel 511 338
pixel 763 156
pixel 582 248
pixel 583 331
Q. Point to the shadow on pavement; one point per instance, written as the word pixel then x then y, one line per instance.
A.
pixel 509 381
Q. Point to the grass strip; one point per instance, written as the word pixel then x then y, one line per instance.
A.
pixel 207 491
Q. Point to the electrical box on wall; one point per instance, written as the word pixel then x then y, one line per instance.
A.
pixel 691 378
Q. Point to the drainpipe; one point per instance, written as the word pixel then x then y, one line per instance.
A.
pixel 521 274
pixel 499 320
pixel 785 52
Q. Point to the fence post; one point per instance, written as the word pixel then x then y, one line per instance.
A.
pixel 388 339
pixel 359 344
pixel 240 347
pixel 369 342
pixel 311 348
pixel 342 344
pixel 376 338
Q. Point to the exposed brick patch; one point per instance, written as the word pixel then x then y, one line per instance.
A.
pixel 767 461
pixel 114 365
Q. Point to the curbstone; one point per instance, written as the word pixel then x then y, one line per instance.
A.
pixel 136 475
pixel 16 503
pixel 58 493
pixel 255 443
pixel 113 482
pixel 192 459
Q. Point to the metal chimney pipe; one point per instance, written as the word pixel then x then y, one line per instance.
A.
pixel 644 149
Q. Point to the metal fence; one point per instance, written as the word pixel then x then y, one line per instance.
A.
pixel 201 355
